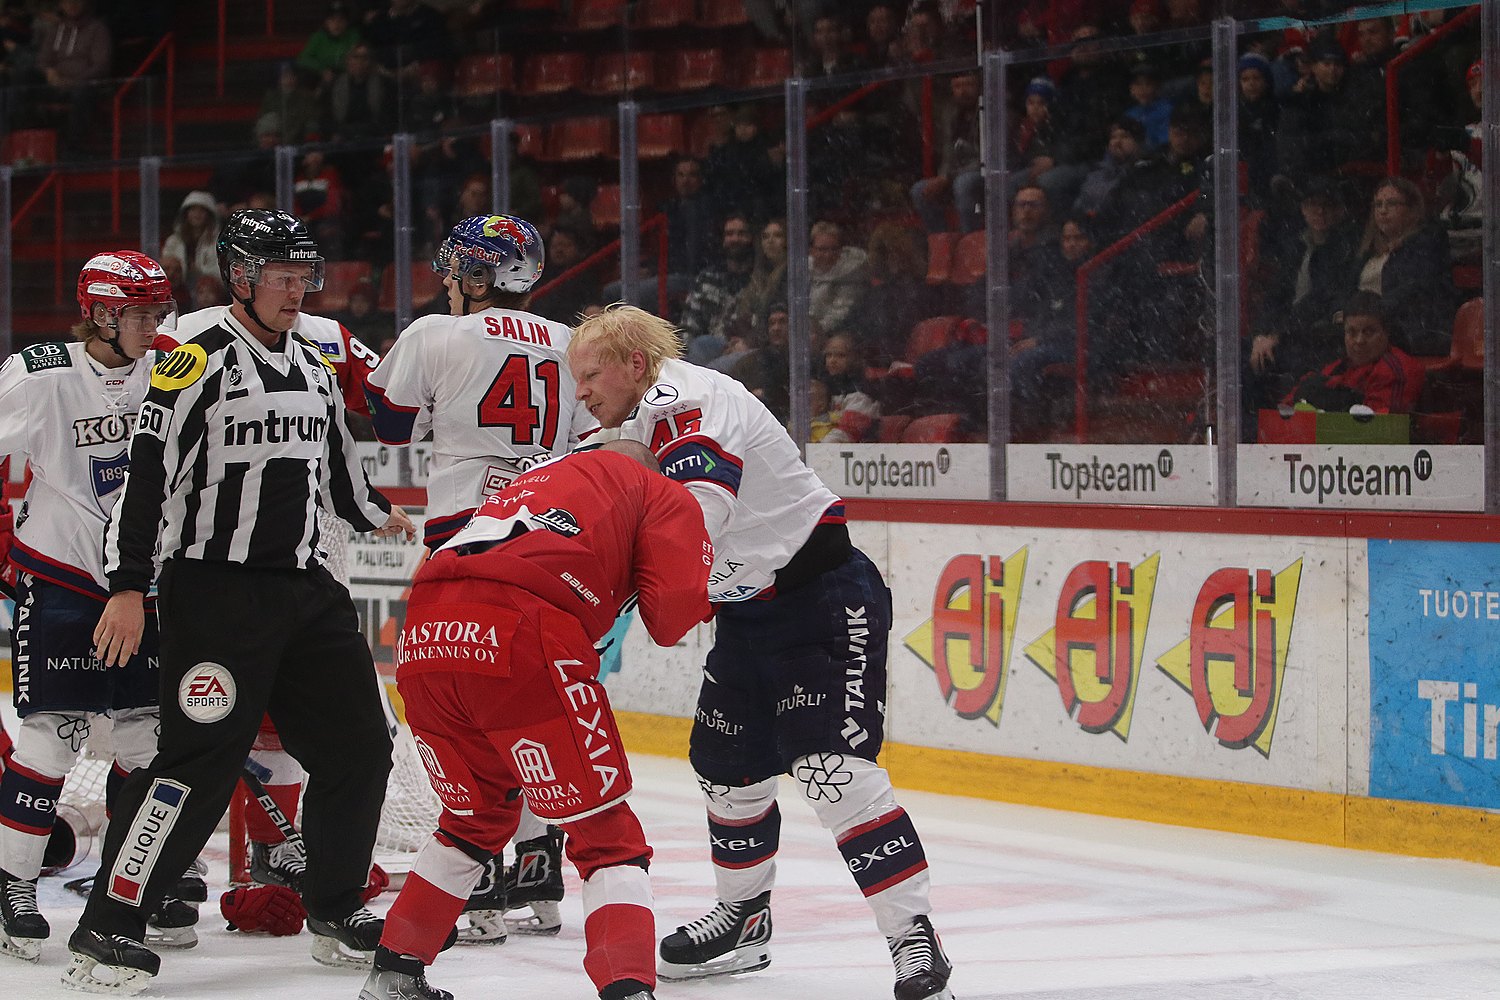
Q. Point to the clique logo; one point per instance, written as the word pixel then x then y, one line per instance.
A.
pixel 1094 649
pixel 1233 661
pixel 967 641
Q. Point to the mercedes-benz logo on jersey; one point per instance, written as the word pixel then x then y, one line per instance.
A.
pixel 660 394
pixel 558 520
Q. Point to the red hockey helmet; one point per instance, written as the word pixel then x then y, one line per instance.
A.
pixel 122 278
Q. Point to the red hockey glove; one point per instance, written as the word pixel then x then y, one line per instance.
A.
pixel 379 882
pixel 274 909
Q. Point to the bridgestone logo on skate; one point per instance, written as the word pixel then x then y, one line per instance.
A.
pixel 1341 479
pixel 142 846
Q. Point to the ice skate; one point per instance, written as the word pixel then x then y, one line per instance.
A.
pixel 172 925
pixel 627 989
pixel 109 963
pixel 22 926
pixel 349 941
pixel 278 864
pixel 730 939
pixel 922 969
pixel 535 881
pixel 399 977
pixel 485 907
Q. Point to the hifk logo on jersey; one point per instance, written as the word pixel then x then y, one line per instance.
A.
pixel 108 474
pixel 1233 661
pixel 504 226
pixel 967 641
pixel 1094 649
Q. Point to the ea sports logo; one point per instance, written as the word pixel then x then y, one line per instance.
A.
pixel 206 694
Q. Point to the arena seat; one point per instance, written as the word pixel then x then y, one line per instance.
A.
pixel 576 139
pixel 969 259
pixel 531 141
pixel 665 13
pixel 1468 336
pixel 484 75
pixel 940 257
pixel 723 14
pixel 617 72
pixel 426 285
pixel 29 147
pixel 554 73
pixel 605 208
pixel 891 427
pixel 340 277
pixel 694 69
pixel 929 335
pixel 768 68
pixel 939 428
pixel 659 136
pixel 596 15
pixel 1436 428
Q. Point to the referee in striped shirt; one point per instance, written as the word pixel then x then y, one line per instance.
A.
pixel 241 438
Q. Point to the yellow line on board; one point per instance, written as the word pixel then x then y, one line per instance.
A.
pixel 1412 828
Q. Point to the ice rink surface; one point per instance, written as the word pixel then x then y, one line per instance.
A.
pixel 1030 903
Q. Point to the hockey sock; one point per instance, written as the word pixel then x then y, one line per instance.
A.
pixel 113 782
pixel 886 858
pixel 744 853
pixel 259 826
pixel 430 900
pixel 618 928
pixel 529 827
pixel 28 806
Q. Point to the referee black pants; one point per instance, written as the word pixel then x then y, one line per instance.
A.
pixel 237 643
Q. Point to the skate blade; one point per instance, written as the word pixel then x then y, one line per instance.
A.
pixel 735 963
pixel 485 927
pixel 82 974
pixel 180 938
pixel 24 949
pixel 336 955
pixel 545 920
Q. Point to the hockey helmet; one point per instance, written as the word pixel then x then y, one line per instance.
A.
pixel 253 237
pixel 122 278
pixel 505 249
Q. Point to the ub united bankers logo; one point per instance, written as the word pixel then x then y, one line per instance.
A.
pixel 107 474
pixel 207 693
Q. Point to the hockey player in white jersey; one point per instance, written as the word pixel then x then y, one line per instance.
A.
pixel 490 382
pixel 795 682
pixel 69 410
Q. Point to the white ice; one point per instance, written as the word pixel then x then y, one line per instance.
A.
pixel 1029 903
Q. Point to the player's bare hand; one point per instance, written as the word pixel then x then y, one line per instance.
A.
pixel 117 637
pixel 397 524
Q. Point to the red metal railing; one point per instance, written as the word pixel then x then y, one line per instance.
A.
pixel 658 224
pixel 1392 81
pixel 1085 272
pixel 54 180
pixel 166 48
pixel 221 40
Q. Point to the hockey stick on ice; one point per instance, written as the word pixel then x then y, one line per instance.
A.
pixel 254 776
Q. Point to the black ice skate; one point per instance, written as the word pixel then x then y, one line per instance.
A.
pixel 535 880
pixel 171 926
pixel 627 989
pixel 349 941
pixel 485 907
pixel 278 864
pixel 922 969
pixel 399 977
pixel 109 963
pixel 22 926
pixel 731 938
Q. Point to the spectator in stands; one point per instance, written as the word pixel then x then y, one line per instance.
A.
pixel 1259 114
pixel 296 108
pixel 1328 119
pixel 1405 259
pixel 1145 17
pixel 766 370
pixel 1044 302
pixel 1294 327
pixel 1372 372
pixel 767 284
pixel 1030 223
pixel 838 278
pixel 444 176
pixel 17 64
pixel 193 243
pixel 1154 182
pixel 359 101
pixel 327 49
pixel 239 179
pixel 829 54
pixel 1090 98
pixel 709 307
pixel 73 49
pixel 882 36
pixel 1034 146
pixel 898 296
pixel 565 300
pixel 373 224
pixel 740 173
pixel 404 34
pixel 959 182
pixel 209 291
pixel 1127 139
pixel 852 410
pixel 822 419
pixel 574 196
pixel 1420 83
pixel 922 38
pixel 362 316
pixel 318 197
pixel 431 107
pixel 1148 107
pixel 691 228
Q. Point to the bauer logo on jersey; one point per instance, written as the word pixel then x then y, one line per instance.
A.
pixel 108 474
pixel 206 694
pixel 558 520
pixel 142 846
pixel 180 369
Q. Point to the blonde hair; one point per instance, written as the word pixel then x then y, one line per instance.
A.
pixel 622 329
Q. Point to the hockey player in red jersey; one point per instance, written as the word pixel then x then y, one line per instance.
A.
pixel 497 667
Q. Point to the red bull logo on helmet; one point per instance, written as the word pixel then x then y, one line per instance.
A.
pixel 504 225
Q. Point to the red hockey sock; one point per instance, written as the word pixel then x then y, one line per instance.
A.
pixel 420 919
pixel 259 826
pixel 618 928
